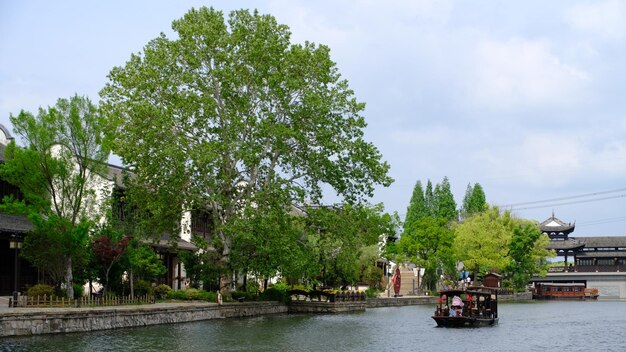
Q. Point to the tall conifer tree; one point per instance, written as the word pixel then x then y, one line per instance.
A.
pixel 446 206
pixel 417 208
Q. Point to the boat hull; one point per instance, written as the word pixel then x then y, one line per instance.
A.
pixel 464 322
pixel 564 298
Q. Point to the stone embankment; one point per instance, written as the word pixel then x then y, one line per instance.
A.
pixel 32 321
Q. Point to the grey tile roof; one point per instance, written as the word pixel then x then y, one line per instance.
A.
pixel 601 254
pixel 565 244
pixel 602 241
pixel 14 223
pixel 165 242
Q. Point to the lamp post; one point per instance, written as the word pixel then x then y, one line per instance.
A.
pixel 15 244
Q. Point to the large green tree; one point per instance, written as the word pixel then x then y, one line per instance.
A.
pixel 338 239
pixel 65 146
pixel 427 238
pixel 528 254
pixel 428 242
pixel 228 109
pixel 482 241
pixel 497 241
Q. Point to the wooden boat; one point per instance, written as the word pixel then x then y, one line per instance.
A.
pixel 559 290
pixel 473 307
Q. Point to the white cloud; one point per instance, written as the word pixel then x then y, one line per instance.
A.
pixel 553 159
pixel 606 19
pixel 522 73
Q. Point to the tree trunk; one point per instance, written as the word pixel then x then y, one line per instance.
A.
pixel 69 277
pixel 224 261
pixel 132 284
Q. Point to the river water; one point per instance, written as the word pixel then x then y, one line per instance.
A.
pixel 530 326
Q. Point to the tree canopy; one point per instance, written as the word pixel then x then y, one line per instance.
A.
pixel 231 110
pixel 427 237
pixel 474 201
pixel 494 241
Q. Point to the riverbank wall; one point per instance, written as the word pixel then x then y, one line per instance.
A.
pixel 29 321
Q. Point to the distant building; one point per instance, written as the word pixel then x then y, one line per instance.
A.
pixel 590 254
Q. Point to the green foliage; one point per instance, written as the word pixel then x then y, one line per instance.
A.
pixel 417 208
pixel 446 206
pixel 372 293
pixel 426 239
pixel 65 146
pixel 162 291
pixel 192 294
pixel 340 241
pixel 278 292
pixel 474 201
pixel 482 241
pixel 79 289
pixel 427 243
pixel 142 287
pixel 370 274
pixel 251 287
pixel 247 105
pixel 53 240
pixel 177 295
pixel 202 267
pixel 144 262
pixel 528 254
pixel 491 241
pixel 40 290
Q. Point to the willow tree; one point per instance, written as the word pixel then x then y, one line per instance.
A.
pixel 225 110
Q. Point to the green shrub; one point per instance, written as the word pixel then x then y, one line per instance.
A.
pixel 207 296
pixel 40 290
pixel 142 287
pixel 180 295
pixel 276 293
pixel 371 292
pixel 192 293
pixel 251 287
pixel 78 290
pixel 162 291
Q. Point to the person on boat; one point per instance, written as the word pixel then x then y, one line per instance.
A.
pixel 457 305
pixel 451 312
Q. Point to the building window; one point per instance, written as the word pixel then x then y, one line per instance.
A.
pixel 585 262
pixel 605 261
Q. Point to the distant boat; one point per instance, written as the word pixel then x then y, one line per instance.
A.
pixel 569 291
pixel 473 307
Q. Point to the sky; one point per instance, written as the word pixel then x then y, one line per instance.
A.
pixel 527 98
